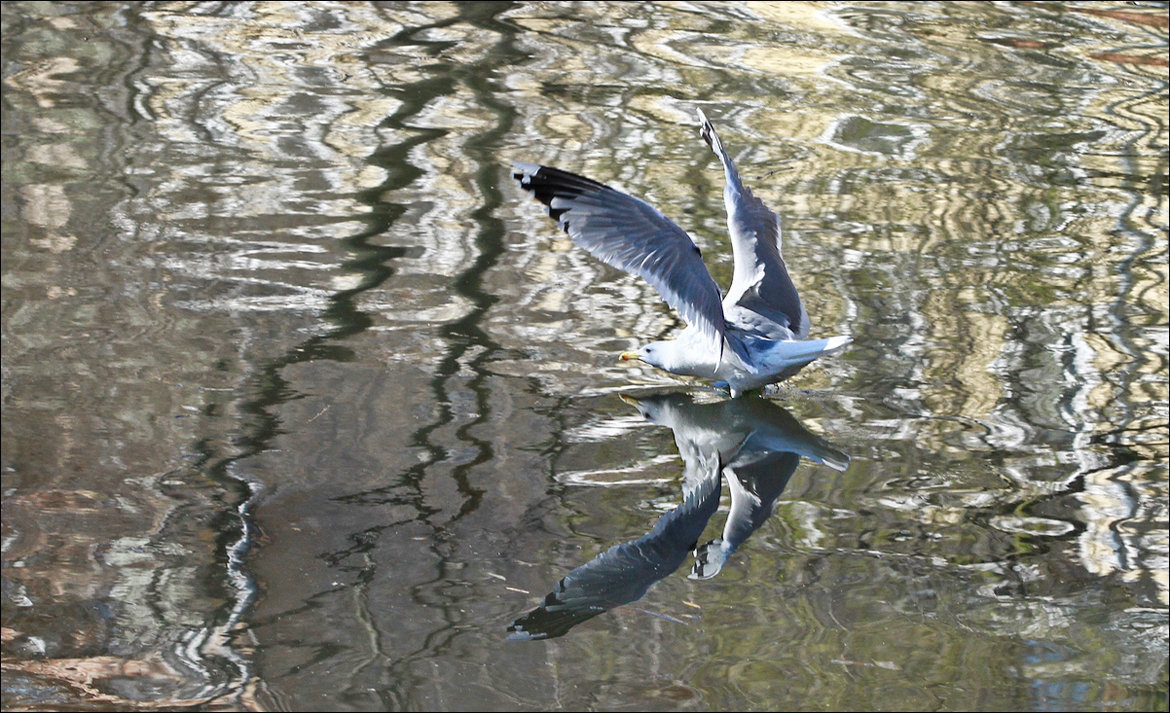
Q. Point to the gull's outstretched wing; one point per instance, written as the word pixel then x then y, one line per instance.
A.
pixel 761 284
pixel 630 234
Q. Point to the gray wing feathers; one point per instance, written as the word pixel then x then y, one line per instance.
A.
pixel 633 236
pixel 760 284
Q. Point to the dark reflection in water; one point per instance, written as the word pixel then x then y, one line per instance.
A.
pixel 625 572
pixel 752 443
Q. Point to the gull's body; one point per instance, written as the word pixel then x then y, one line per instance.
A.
pixel 752 337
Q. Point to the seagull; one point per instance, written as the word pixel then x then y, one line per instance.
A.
pixel 752 337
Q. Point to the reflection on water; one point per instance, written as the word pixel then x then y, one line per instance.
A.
pixel 302 403
pixel 754 444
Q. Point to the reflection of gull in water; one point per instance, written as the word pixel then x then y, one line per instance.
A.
pixel 759 445
pixel 623 573
pixel 755 443
pixel 755 335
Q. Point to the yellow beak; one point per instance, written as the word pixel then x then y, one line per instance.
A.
pixel 626 356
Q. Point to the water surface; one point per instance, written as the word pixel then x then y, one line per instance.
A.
pixel 305 404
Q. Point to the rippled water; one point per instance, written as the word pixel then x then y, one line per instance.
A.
pixel 306 406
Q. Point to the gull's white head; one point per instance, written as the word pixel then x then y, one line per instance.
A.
pixel 678 356
pixel 640 354
pixel 664 355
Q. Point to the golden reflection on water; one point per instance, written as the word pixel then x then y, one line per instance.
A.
pixel 294 378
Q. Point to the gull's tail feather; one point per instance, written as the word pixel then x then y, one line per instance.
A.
pixel 797 353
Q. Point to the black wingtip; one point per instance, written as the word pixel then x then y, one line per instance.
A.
pixel 708 134
pixel 546 183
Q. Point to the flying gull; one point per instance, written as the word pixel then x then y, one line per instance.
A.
pixel 754 336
